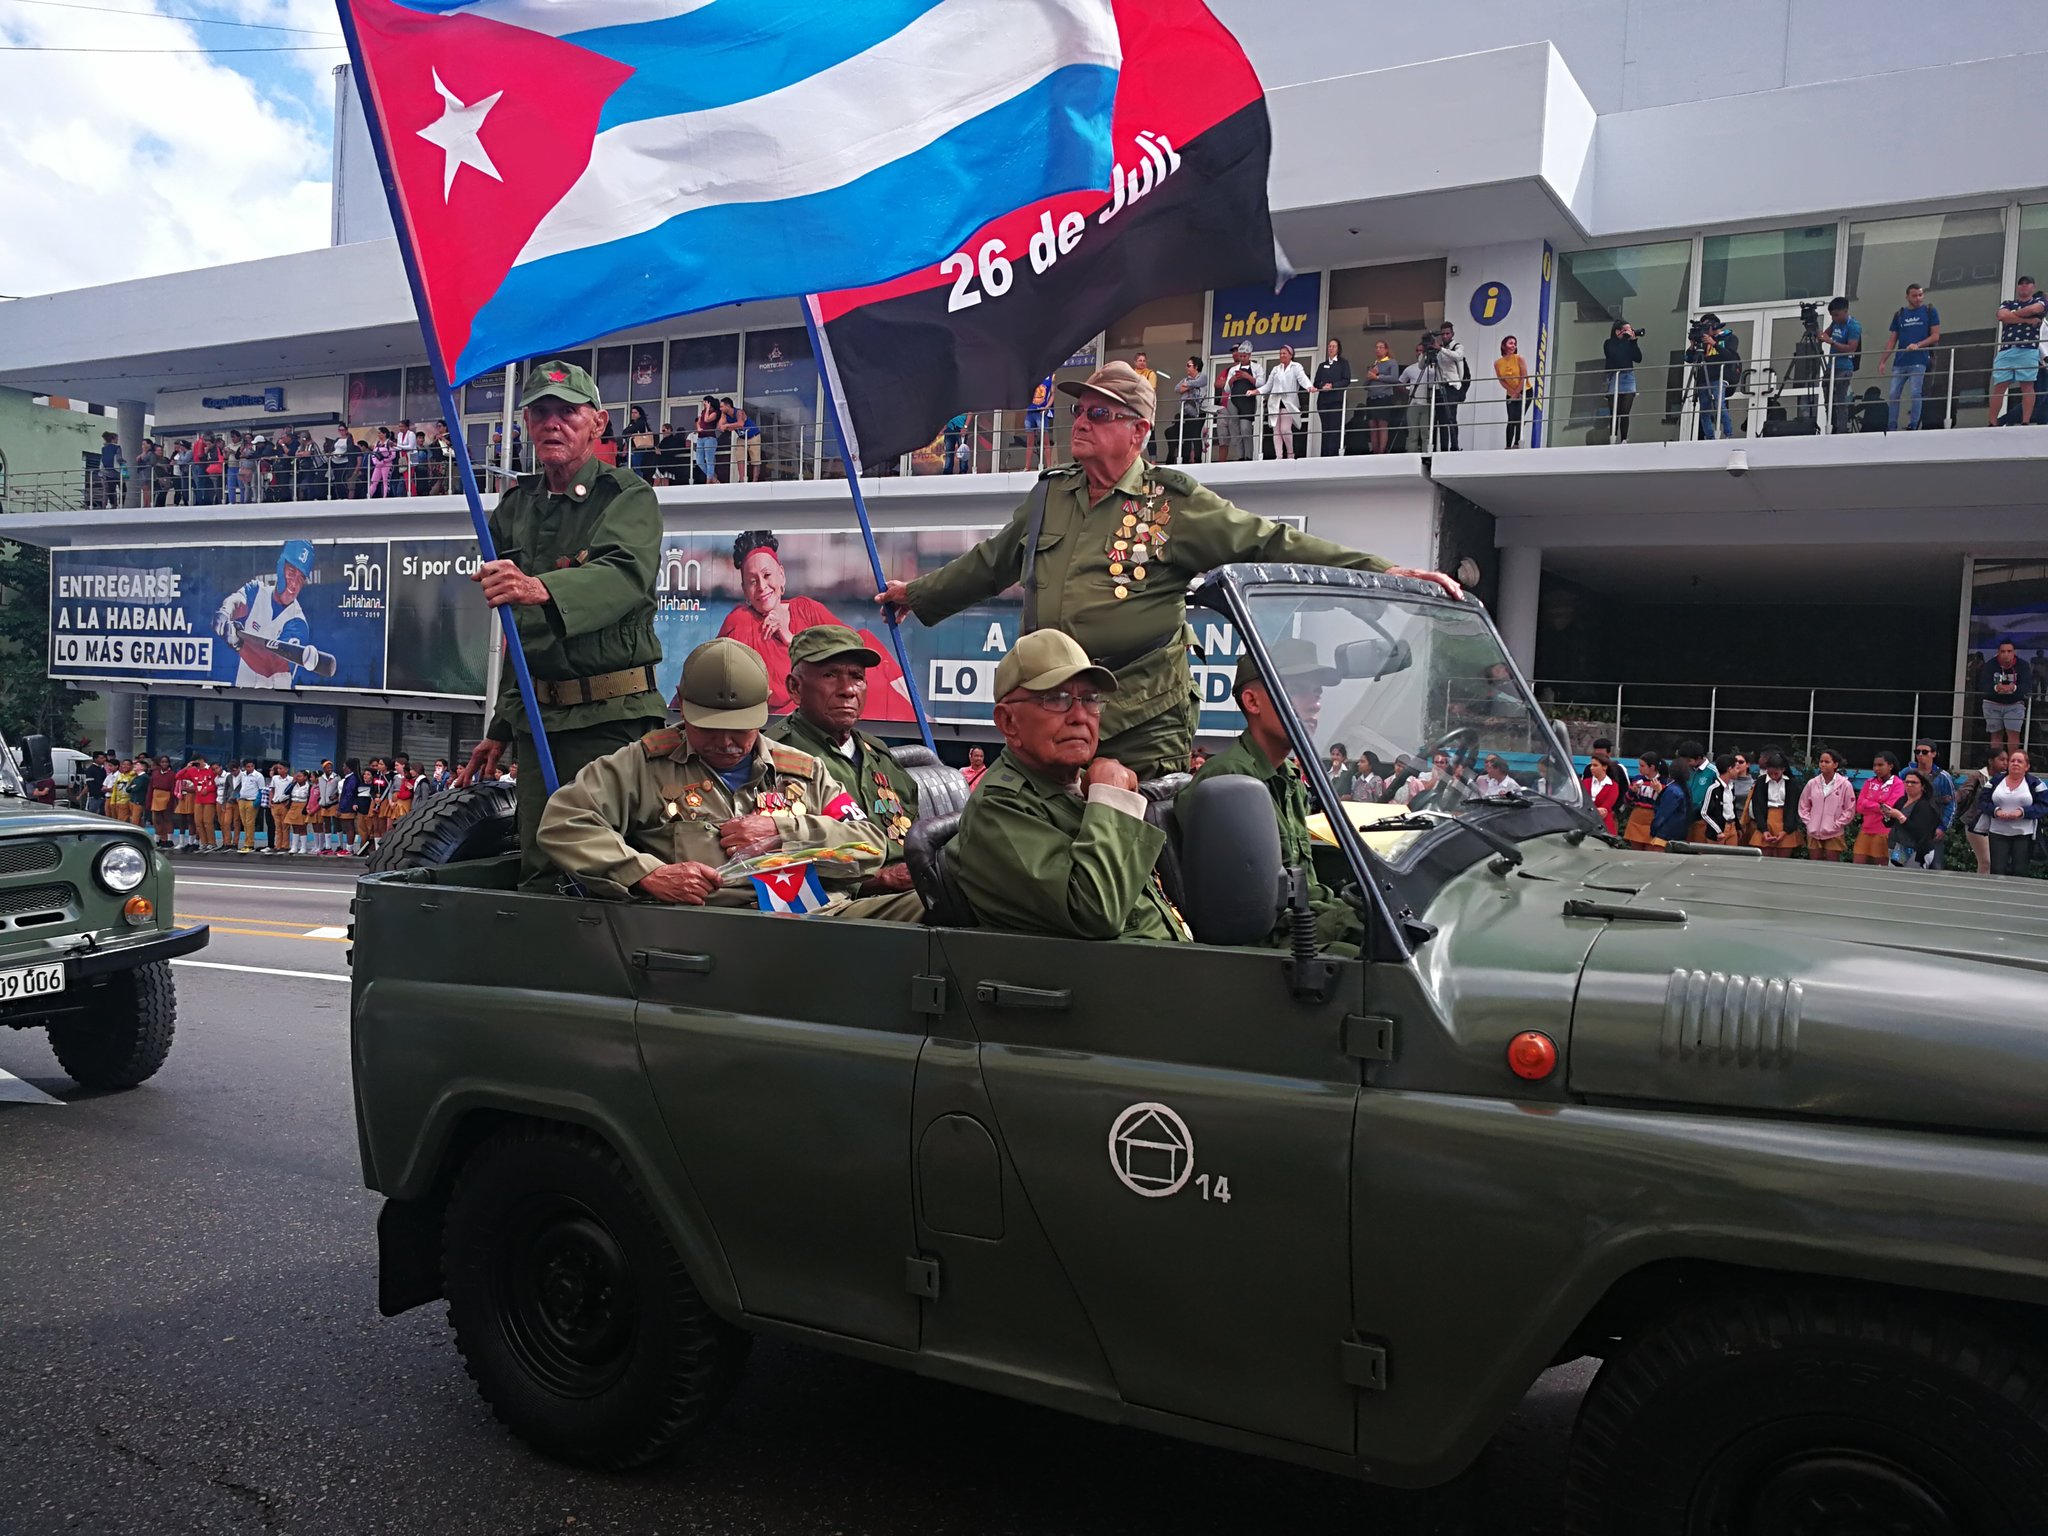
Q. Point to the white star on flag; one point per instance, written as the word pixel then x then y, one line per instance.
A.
pixel 457 134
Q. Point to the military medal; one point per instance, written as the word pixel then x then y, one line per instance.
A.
pixel 795 796
pixel 672 811
pixel 692 799
pixel 1136 540
pixel 770 800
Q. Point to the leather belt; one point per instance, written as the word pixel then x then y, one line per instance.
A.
pixel 595 690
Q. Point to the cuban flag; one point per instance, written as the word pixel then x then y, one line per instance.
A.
pixel 564 169
pixel 789 888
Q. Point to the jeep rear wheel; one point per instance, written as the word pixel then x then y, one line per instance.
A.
pixel 1816 1413
pixel 571 1309
pixel 124 1034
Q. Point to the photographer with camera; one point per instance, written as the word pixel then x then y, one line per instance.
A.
pixel 1715 357
pixel 1623 353
pixel 1841 346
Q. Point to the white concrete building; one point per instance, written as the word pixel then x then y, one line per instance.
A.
pixel 1541 168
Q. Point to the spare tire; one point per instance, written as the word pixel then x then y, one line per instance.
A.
pixel 477 821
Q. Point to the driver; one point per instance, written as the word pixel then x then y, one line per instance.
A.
pixel 1263 752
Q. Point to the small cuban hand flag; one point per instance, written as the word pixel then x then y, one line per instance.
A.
pixel 790 888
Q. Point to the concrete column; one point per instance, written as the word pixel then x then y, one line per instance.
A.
pixel 120 721
pixel 128 421
pixel 1521 585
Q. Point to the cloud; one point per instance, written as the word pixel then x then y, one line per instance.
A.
pixel 128 165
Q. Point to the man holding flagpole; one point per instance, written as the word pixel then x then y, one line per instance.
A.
pixel 1104 548
pixel 579 551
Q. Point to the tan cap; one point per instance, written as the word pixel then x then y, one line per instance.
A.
pixel 1046 658
pixel 1294 659
pixel 822 642
pixel 724 687
pixel 1119 384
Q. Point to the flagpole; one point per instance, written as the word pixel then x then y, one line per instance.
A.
pixel 486 546
pixel 827 375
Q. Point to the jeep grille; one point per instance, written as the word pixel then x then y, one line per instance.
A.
pixel 35 905
pixel 28 858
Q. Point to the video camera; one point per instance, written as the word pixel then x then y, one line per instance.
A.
pixel 1431 343
pixel 1809 317
pixel 1697 333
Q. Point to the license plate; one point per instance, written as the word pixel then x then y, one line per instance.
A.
pixel 31 981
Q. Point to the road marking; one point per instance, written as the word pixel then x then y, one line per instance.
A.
pixel 14 1091
pixel 325 933
pixel 262 970
pixel 252 885
pixel 296 924
pixel 272 933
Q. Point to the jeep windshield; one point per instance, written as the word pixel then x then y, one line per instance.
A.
pixel 1435 724
pixel 10 771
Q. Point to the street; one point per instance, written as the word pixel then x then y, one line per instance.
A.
pixel 189 1338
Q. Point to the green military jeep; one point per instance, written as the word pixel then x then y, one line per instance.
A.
pixel 1770 1139
pixel 86 932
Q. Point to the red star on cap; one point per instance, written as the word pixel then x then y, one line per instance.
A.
pixel 558 377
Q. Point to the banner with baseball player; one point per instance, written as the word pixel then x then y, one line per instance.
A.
pixel 297 615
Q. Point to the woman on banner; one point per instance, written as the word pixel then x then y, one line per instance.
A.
pixel 767 619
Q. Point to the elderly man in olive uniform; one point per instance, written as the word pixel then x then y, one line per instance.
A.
pixel 1054 838
pixel 579 549
pixel 828 678
pixel 1104 548
pixel 1263 752
pixel 657 818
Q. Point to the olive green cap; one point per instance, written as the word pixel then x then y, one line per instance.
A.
pixel 823 642
pixel 565 381
pixel 1046 658
pixel 724 687
pixel 1295 660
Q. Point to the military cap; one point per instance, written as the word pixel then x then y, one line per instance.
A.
pixel 563 380
pixel 823 642
pixel 724 687
pixel 1119 384
pixel 1046 658
pixel 1295 661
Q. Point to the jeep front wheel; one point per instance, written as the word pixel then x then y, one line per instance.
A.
pixel 1816 1413
pixel 125 1032
pixel 571 1309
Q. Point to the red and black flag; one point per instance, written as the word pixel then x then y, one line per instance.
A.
pixel 1186 211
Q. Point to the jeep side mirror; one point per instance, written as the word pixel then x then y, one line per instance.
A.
pixel 1373 658
pixel 37 762
pixel 1229 860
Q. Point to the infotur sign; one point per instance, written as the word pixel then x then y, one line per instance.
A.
pixel 1257 317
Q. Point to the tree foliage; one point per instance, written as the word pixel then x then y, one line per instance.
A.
pixel 29 700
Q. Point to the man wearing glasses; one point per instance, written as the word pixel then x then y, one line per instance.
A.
pixel 1054 838
pixel 1104 548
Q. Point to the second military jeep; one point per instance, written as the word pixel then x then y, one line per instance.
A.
pixel 1769 1138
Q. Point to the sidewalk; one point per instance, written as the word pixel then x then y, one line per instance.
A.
pixel 194 858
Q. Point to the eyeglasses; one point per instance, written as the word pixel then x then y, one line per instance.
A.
pixel 1058 701
pixel 1101 413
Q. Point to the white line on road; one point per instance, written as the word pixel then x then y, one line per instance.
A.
pixel 261 970
pixel 251 885
pixel 325 933
pixel 14 1091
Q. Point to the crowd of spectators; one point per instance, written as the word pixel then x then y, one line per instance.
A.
pixel 251 807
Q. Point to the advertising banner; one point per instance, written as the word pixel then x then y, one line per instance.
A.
pixel 762 587
pixel 440 625
pixel 246 615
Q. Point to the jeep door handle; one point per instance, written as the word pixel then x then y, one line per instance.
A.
pixel 1004 995
pixel 670 960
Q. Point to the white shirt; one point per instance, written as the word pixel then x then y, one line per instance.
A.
pixel 280 789
pixel 330 788
pixel 1486 788
pixel 407 441
pixel 1285 384
pixel 249 786
pixel 2004 797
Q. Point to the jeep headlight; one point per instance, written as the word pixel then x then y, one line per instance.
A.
pixel 121 867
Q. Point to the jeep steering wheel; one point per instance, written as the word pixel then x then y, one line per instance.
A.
pixel 1453 744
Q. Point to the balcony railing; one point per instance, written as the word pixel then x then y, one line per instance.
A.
pixel 1798 394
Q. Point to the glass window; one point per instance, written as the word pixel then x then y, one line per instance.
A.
pixel 1768 266
pixel 613 364
pixel 781 394
pixel 486 397
pixel 213 729
pixel 645 381
pixel 167 735
pixel 1645 285
pixel 703 365
pixel 1170 328
pixel 261 735
pixel 2033 243
pixel 422 400
pixel 1958 259
pixel 373 398
pixel 1392 303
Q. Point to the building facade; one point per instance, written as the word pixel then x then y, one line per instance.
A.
pixel 1762 546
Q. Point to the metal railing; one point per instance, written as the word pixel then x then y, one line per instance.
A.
pixel 1857 723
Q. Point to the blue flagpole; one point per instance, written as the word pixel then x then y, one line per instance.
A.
pixel 446 388
pixel 867 530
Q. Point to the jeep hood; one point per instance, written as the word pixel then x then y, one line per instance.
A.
pixel 24 818
pixel 1859 993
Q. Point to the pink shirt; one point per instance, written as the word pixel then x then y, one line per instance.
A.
pixel 1873 795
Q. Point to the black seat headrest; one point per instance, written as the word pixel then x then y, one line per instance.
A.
pixel 924 850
